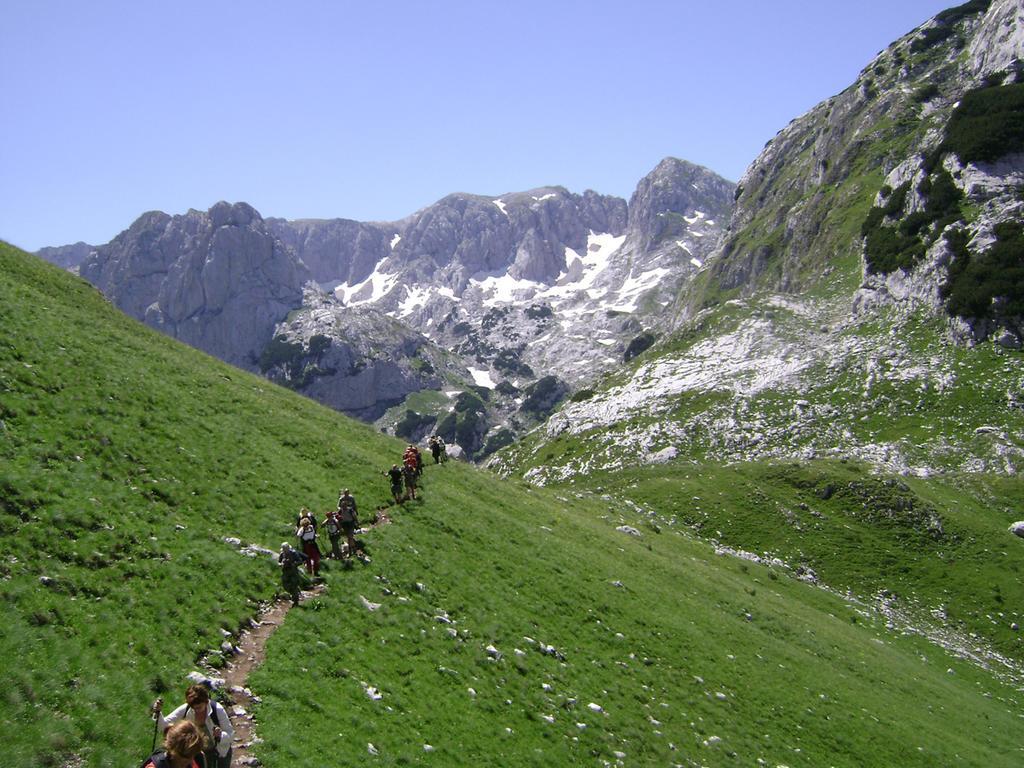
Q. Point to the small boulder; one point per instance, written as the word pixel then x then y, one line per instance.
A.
pixel 1017 529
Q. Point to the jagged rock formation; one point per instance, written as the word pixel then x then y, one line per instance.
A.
pixel 66 256
pixel 336 250
pixel 870 237
pixel 522 287
pixel 801 206
pixel 217 280
pixel 356 360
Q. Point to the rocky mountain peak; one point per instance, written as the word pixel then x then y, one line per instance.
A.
pixel 218 280
pixel 667 200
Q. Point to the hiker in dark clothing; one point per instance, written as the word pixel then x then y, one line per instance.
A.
pixel 419 460
pixel 332 523
pixel 349 517
pixel 435 448
pixel 183 743
pixel 291 578
pixel 395 475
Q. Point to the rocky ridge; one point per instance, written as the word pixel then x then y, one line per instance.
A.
pixel 521 287
pixel 800 342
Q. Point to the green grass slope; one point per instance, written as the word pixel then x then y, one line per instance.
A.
pixel 496 624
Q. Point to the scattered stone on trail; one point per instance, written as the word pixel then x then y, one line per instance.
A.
pixel 443 619
pixel 238 711
pixel 372 692
pixel 595 707
pixel 493 652
pixel 200 679
pixel 629 530
pixel 227 648
pixel 1017 529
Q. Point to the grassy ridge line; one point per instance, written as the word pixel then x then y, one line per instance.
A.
pixel 693 658
pixel 125 459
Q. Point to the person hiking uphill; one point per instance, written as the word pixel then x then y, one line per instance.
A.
pixel 209 717
pixel 291 579
pixel 307 536
pixel 395 475
pixel 349 517
pixel 183 743
pixel 409 474
pixel 437 449
pixel 332 524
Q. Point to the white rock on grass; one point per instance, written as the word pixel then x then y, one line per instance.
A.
pixel 368 605
pixel 200 679
pixel 628 529
pixel 1017 529
pixel 595 707
pixel 371 749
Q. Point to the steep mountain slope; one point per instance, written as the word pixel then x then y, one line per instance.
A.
pixel 823 325
pixel 496 623
pixel 820 351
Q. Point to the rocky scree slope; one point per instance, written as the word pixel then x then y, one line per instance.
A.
pixel 824 325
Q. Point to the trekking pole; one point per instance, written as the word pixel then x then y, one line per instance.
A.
pixel 156 724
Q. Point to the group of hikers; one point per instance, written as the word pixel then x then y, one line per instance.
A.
pixel 198 734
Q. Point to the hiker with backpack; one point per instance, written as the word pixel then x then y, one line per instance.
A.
pixel 349 517
pixel 332 524
pixel 291 578
pixel 409 474
pixel 306 533
pixel 209 717
pixel 437 449
pixel 397 481
pixel 183 743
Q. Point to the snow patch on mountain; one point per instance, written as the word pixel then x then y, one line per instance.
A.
pixel 369 291
pixel 482 378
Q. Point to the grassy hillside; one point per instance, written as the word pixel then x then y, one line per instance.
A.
pixel 496 624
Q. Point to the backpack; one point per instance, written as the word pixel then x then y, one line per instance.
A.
pixel 159 759
pixel 333 527
pixel 308 533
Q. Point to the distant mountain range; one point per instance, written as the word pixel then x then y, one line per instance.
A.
pixel 524 296
pixel 894 206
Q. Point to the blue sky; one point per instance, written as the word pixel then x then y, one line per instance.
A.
pixel 373 110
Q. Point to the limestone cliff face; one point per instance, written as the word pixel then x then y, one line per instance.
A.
pixel 336 250
pixel 218 280
pixel 521 234
pixel 801 203
pixel 66 256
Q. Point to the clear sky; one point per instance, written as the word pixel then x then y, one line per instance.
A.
pixel 372 110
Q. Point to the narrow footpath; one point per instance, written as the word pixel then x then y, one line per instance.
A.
pixel 251 653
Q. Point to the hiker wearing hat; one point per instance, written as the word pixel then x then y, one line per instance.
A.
pixel 306 533
pixel 209 717
pixel 291 579
pixel 348 516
